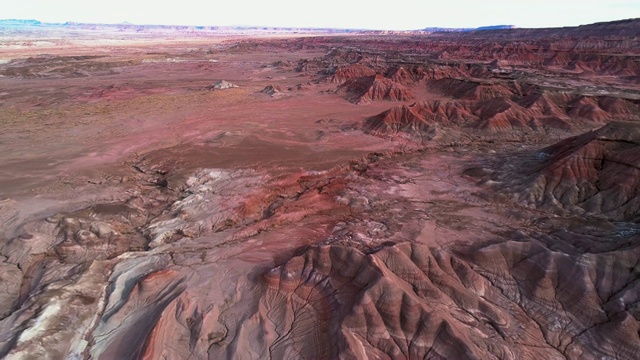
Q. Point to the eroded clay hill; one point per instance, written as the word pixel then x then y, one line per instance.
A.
pixel 363 90
pixel 596 173
pixel 598 49
pixel 536 111
pixel 486 89
pixel 415 301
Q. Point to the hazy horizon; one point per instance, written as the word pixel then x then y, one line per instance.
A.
pixel 406 15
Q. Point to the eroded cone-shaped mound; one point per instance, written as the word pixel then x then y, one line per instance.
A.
pixel 401 76
pixel 221 85
pixel 403 301
pixel 411 301
pixel 363 90
pixel 420 117
pixel 499 114
pixel 494 115
pixel 618 107
pixel 272 90
pixel 351 71
pixel 587 108
pixel 597 172
pixel 493 106
pixel 476 90
pixel 544 103
pixel 400 118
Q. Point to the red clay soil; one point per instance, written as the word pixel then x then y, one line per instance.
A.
pixel 489 212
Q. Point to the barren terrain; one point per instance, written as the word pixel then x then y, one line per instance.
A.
pixel 175 194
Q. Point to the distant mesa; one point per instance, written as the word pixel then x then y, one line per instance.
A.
pixel 596 173
pixel 221 85
pixel 19 22
pixel 496 27
pixel 482 28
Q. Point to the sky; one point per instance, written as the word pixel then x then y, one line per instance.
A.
pixel 354 14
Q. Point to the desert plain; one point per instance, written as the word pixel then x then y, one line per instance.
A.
pixel 187 193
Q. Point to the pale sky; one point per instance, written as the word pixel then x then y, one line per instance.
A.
pixel 369 14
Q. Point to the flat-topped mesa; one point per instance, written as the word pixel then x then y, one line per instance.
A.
pixel 596 173
pixel 363 90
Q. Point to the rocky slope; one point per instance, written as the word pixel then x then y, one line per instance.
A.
pixel 596 173
pixel 363 90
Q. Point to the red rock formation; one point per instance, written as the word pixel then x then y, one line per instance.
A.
pixel 351 71
pixel 493 115
pixel 401 76
pixel 221 227
pixel 597 172
pixel 476 90
pixel 366 89
pixel 587 108
pixel 419 117
pixel 412 301
pixel 272 90
pixel 501 105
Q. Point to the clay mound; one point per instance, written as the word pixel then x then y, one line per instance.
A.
pixel 565 106
pixel 587 108
pixel 351 71
pixel 401 76
pixel 625 67
pixel 366 89
pixel 551 122
pixel 494 115
pixel 476 90
pixel 346 56
pixel 272 90
pixel 596 173
pixel 401 118
pixel 418 118
pixel 504 106
pixel 544 104
pixel 411 301
pixel 444 72
pixel 500 114
pixel 221 85
pixel 305 65
pixel 581 66
pixel 339 302
pixel 618 107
